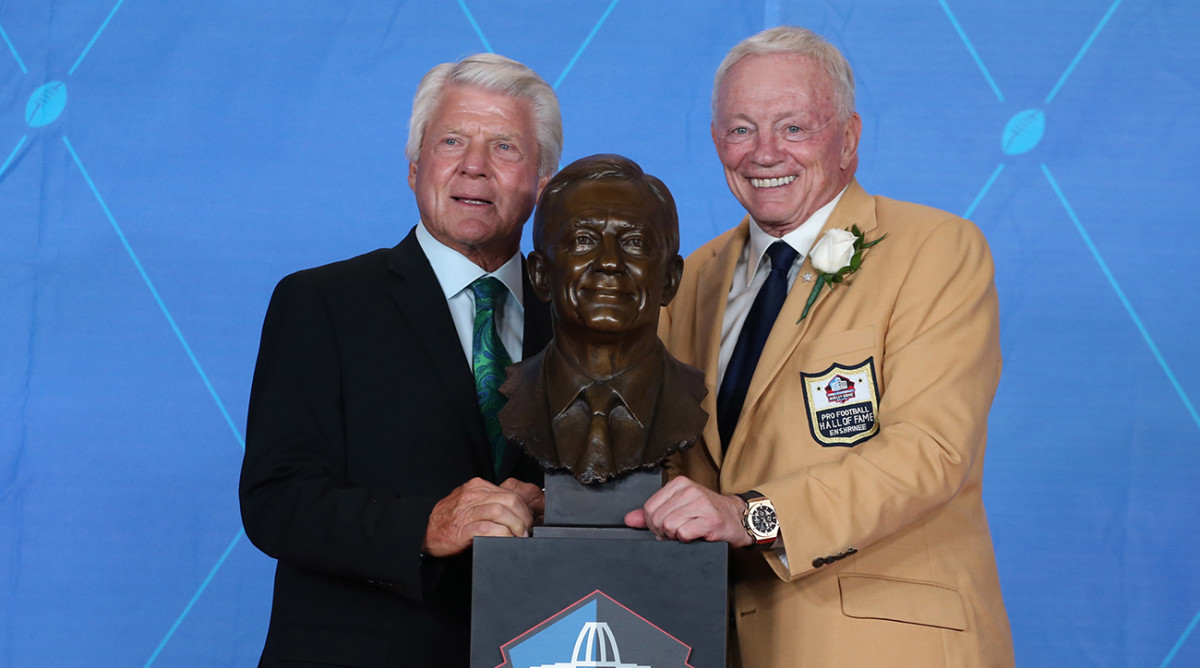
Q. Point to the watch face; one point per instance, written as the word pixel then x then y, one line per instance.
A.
pixel 763 520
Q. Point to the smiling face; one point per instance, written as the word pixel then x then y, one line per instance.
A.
pixel 606 264
pixel 476 179
pixel 785 151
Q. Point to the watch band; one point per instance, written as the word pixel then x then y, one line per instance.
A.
pixel 750 496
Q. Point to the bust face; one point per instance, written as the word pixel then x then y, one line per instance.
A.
pixel 608 267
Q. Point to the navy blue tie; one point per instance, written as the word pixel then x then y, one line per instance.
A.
pixel 751 340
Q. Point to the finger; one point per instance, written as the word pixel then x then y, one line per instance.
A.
pixel 671 519
pixel 694 513
pixel 679 496
pixel 709 519
pixel 685 491
pixel 488 529
pixel 666 495
pixel 470 494
pixel 531 494
pixel 509 512
pixel 537 504
pixel 690 530
pixel 636 519
pixel 527 503
pixel 514 485
pixel 477 485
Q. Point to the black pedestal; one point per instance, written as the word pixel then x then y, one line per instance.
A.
pixel 545 602
pixel 570 503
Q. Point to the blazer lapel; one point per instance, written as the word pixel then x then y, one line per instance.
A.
pixel 712 292
pixel 855 208
pixel 419 297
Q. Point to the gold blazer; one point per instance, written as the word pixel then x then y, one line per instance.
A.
pixel 865 424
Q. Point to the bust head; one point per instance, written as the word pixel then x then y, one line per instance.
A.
pixel 606 240
pixel 605 398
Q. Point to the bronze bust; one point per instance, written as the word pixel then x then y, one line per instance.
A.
pixel 604 398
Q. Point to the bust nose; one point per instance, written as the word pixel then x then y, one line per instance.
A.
pixel 608 257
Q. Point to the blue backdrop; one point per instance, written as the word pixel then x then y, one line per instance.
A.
pixel 163 164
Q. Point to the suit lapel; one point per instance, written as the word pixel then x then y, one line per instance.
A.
pixel 855 208
pixel 419 297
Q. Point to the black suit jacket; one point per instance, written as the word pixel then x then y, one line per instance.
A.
pixel 362 416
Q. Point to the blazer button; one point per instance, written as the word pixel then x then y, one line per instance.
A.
pixel 818 562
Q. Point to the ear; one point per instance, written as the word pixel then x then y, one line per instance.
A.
pixel 538 268
pixel 412 176
pixel 853 131
pixel 674 275
pixel 542 186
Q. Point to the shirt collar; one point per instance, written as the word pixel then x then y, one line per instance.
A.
pixel 455 272
pixel 800 239
pixel 637 386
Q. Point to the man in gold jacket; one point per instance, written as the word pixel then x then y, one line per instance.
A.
pixel 845 447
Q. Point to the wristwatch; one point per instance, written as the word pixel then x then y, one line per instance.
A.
pixel 759 520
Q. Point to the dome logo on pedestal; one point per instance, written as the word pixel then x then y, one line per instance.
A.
pixel 585 635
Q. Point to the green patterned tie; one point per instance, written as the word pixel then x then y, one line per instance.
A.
pixel 488 360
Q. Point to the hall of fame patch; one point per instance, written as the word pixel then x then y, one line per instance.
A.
pixel 842 404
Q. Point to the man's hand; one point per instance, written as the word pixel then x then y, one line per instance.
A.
pixel 532 495
pixel 479 508
pixel 685 511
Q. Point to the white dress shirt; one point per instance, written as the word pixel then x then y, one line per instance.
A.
pixel 752 269
pixel 455 273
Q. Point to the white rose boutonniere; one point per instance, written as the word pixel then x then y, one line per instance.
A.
pixel 833 251
pixel 836 255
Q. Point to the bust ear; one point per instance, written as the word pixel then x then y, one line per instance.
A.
pixel 538 268
pixel 674 275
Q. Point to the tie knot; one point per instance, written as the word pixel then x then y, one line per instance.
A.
pixel 600 398
pixel 489 293
pixel 782 256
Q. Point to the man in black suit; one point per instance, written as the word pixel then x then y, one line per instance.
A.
pixel 371 452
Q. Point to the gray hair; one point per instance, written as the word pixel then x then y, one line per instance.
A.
pixel 798 41
pixel 495 74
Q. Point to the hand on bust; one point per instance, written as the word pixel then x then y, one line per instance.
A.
pixel 685 511
pixel 479 508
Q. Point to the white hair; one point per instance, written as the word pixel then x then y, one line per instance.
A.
pixel 798 41
pixel 495 74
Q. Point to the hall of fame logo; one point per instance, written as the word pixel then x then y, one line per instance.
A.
pixel 595 632
pixel 842 404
